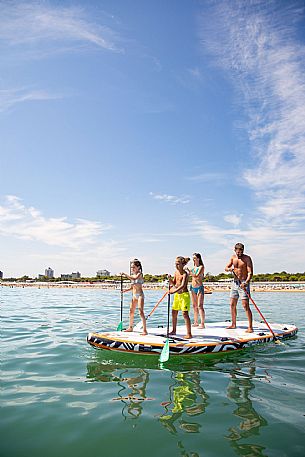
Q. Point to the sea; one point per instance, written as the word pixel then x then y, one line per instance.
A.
pixel 62 398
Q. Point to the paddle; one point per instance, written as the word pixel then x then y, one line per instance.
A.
pixel 276 340
pixel 120 326
pixel 139 325
pixel 164 356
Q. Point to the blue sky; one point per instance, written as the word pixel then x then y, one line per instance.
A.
pixel 151 129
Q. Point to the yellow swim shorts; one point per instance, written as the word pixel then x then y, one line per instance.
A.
pixel 182 302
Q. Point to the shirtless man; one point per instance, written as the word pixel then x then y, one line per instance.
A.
pixel 241 266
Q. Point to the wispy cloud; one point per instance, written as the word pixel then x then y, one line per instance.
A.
pixel 256 46
pixel 233 219
pixel 263 241
pixel 49 25
pixel 195 73
pixel 215 177
pixel 174 199
pixel 20 221
pixel 12 97
pixel 37 30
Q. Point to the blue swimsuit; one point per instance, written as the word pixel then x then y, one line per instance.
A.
pixel 198 289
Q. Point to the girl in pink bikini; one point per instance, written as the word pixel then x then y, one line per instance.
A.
pixel 197 289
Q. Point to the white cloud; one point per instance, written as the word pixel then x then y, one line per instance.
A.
pixel 28 223
pixel 12 97
pixel 35 30
pixel 274 248
pixel 195 73
pixel 174 199
pixel 66 246
pixel 215 177
pixel 256 48
pixel 31 23
pixel 233 219
pixel 254 44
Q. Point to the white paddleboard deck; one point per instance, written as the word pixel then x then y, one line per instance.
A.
pixel 215 337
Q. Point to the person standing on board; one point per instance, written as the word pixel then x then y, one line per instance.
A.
pixel 137 280
pixel 182 300
pixel 197 289
pixel 241 266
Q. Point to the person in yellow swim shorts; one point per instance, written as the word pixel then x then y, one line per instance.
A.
pixel 182 301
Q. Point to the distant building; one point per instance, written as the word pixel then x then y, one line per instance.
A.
pixel 49 273
pixel 67 277
pixel 1 274
pixel 101 273
pixel 76 275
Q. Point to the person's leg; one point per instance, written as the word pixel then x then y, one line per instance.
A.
pixel 200 298
pixel 141 312
pixel 245 303
pixel 133 305
pixel 187 324
pixel 233 305
pixel 195 306
pixel 174 321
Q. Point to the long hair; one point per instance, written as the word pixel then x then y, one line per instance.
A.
pixel 137 263
pixel 198 256
pixel 184 260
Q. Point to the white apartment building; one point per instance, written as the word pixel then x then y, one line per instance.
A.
pixel 100 273
pixel 66 277
pixel 49 273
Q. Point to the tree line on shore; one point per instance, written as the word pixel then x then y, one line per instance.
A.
pixel 283 276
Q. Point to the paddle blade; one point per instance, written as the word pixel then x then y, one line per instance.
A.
pixel 164 356
pixel 120 327
pixel 277 341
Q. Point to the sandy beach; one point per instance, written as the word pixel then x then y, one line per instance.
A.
pixel 209 287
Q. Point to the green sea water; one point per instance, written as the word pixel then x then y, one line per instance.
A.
pixel 61 397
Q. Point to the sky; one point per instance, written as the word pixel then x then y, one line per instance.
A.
pixel 151 129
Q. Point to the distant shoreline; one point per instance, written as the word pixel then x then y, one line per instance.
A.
pixel 210 287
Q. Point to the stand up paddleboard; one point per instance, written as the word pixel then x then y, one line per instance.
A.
pixel 214 338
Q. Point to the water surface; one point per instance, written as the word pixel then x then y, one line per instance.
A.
pixel 61 397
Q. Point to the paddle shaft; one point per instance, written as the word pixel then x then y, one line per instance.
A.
pixel 121 298
pixel 168 307
pixel 156 305
pixel 140 324
pixel 257 308
pixel 164 356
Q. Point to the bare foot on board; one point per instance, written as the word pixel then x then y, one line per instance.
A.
pixel 129 329
pixel 249 330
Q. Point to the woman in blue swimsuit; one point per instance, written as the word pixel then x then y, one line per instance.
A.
pixel 197 290
pixel 137 280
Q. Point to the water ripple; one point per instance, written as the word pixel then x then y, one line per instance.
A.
pixel 75 400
